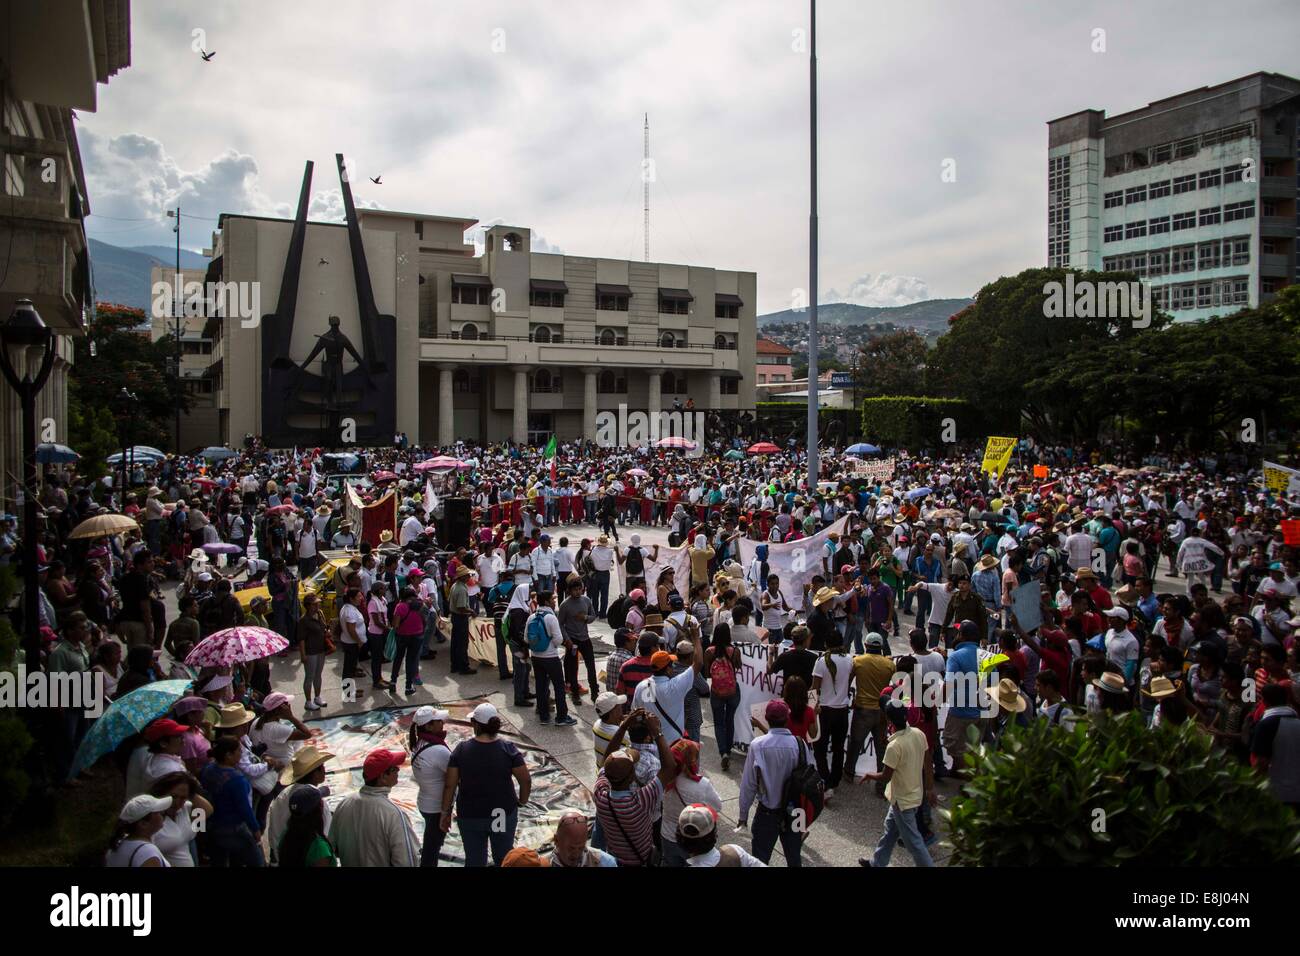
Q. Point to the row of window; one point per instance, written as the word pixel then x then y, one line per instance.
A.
pixel 1205 255
pixel 482 295
pixel 543 333
pixel 1179 221
pixel 1209 294
pixel 1180 149
pixel 1206 179
pixel 609 382
pixel 1058 211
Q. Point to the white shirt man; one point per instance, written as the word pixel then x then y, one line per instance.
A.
pixel 411 529
pixel 489 568
pixel 563 562
pixel 307 543
pixel 1078 549
pixel 1193 554
pixel 1122 648
pixel 544 560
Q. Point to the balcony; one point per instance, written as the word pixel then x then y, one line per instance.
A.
pixel 1277 187
pixel 1274 264
pixel 1282 227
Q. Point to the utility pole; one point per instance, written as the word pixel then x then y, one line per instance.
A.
pixel 178 308
pixel 645 188
pixel 813 469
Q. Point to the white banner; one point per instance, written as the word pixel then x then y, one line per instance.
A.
pixel 795 562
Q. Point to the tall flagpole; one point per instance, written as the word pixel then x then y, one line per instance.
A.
pixel 812 256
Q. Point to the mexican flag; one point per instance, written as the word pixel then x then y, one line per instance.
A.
pixel 550 453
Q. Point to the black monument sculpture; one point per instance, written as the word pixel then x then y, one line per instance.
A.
pixel 302 406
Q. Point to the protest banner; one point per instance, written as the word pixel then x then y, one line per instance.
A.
pixel 795 562
pixel 1027 603
pixel 997 454
pixel 1040 471
pixel 369 521
pixel 1281 480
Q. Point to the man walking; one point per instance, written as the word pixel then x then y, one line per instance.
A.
pixel 909 779
pixel 771 760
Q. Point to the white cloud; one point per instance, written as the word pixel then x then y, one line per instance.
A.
pixel 880 290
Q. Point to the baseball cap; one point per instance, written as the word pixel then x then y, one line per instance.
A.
pixel 1117 612
pixel 275 700
pixel 875 640
pixel 661 659
pixel 379 762
pixel 777 710
pixel 163 727
pixel 483 713
pixel 697 820
pixel 427 714
pixel 205 577
pixel 137 808
pixel 303 798
pixel 637 594
pixel 675 602
pixel 608 700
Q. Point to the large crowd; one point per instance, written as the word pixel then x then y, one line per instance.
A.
pixel 1164 589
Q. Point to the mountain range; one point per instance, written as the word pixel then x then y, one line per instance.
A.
pixel 929 317
pixel 121 275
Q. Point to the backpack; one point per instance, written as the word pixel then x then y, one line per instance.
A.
pixel 635 563
pixel 805 794
pixel 616 613
pixel 723 676
pixel 539 639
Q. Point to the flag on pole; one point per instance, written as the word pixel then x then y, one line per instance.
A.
pixel 550 453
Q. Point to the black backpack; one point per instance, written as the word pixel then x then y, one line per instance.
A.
pixel 635 563
pixel 616 614
pixel 805 794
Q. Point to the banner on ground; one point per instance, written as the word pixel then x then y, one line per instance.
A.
pixel 1281 480
pixel 370 521
pixel 997 454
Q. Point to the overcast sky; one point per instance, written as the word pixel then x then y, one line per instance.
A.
pixel 530 112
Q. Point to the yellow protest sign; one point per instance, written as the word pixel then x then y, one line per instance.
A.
pixel 1281 480
pixel 997 454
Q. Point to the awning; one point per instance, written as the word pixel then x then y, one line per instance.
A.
pixel 548 285
pixel 730 374
pixel 471 280
pixel 676 295
pixel 726 298
pixel 602 289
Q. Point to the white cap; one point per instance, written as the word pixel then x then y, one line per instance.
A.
pixel 1116 611
pixel 426 714
pixel 607 701
pixel 205 577
pixel 483 713
pixel 137 808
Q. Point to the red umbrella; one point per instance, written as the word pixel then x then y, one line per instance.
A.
pixel 384 476
pixel 280 509
pixel 763 448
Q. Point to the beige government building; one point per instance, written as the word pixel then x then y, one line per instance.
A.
pixel 510 344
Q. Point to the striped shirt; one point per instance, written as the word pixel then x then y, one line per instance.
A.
pixel 614 666
pixel 632 673
pixel 627 819
pixel 604 734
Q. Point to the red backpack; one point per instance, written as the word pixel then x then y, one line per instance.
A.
pixel 723 676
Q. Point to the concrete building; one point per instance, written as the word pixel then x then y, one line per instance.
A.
pixel 1195 193
pixel 774 362
pixel 201 425
pixel 53 58
pixel 509 344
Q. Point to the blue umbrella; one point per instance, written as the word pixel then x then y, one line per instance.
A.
pixel 140 453
pixel 50 454
pixel 919 493
pixel 126 717
pixel 862 448
pixel 217 453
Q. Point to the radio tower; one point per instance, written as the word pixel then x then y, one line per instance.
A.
pixel 645 187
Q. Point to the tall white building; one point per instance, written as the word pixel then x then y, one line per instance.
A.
pixel 1195 193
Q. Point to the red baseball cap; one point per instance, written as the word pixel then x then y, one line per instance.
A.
pixel 379 762
pixel 164 727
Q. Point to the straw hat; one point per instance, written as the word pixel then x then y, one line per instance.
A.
pixel 653 622
pixel 986 563
pixel 385 536
pixel 153 492
pixel 1085 574
pixel 1007 696
pixel 463 572
pixel 603 539
pixel 824 595
pixel 234 715
pixel 305 761
pixel 1161 687
pixel 1111 683
pixel 1127 595
pixel 324 510
pixel 198 554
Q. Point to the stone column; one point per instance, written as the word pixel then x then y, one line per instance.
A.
pixel 446 407
pixel 520 430
pixel 655 396
pixel 715 391
pixel 589 404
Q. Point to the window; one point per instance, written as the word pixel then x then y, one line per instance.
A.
pixel 1114 199
pixel 1113 234
pixel 1183 259
pixel 1233 174
pixel 672 383
pixel 1158 262
pixel 1184 220
pixel 541 334
pixel 1135 230
pixel 1185 148
pixel 725 311
pixel 667 341
pixel 610 384
pixel 1269 286
pixel 1160 297
pixel 1240 291
pixel 719 341
pixel 1135 194
pixel 729 386
pixel 1158 225
pixel 613 303
pixel 469 331
pixel 1209 255
pixel 546 300
pixel 1240 250
pixel 609 337
pixel 1110 263
pixel 671 306
pixel 544 381
pixel 1211 217
pixel 1239 210
pixel 1158 190
pixel 1270 208
pixel 1205 295
pixel 470 294
pixel 1184 184
pixel 1162 153
pixel 1210 178
pixel 464 383
pixel 1184 297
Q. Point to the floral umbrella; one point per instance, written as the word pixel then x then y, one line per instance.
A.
pixel 126 717
pixel 235 645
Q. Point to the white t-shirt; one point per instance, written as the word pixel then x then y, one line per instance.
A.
pixel 429 768
pixel 1122 647
pixel 351 614
pixel 411 529
pixel 835 690
pixel 175 837
pixel 134 853
pixel 488 574
pixel 275 734
pixel 940 596
pixel 602 557
pixel 376 608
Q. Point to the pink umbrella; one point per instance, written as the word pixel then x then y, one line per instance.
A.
pixel 676 441
pixel 235 645
pixel 384 476
pixel 441 463
pixel 280 509
pixel 763 448
pixel 638 473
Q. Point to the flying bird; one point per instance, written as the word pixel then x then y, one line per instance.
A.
pixel 375 180
pixel 207 56
pixel 323 261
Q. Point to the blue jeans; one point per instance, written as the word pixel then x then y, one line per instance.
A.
pixel 546 582
pixel 853 633
pixel 724 721
pixel 476 834
pixel 901 823
pixel 601 598
pixel 408 648
pixel 234 847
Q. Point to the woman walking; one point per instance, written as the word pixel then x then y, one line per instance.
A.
pixel 721 663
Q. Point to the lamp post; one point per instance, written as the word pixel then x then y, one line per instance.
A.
pixel 813 463
pixel 128 400
pixel 178 310
pixel 26 332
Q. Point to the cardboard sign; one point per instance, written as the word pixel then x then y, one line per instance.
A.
pixel 1040 471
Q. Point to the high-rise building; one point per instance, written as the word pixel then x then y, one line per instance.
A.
pixel 1195 193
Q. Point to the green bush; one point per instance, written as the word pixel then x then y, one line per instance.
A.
pixel 1167 797
pixel 915 421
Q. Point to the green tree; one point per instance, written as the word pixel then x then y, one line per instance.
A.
pixel 892 363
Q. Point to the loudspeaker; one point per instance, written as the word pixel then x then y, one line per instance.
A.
pixel 456 521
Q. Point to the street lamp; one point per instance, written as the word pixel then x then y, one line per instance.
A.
pixel 26 342
pixel 128 401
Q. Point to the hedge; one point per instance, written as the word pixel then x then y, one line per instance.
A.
pixel 916 421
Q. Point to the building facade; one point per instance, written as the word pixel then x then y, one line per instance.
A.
pixel 200 426
pixel 1195 193
pixel 53 59
pixel 774 362
pixel 509 344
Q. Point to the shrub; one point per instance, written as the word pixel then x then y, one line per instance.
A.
pixel 1167 797
pixel 915 421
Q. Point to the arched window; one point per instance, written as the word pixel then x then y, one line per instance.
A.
pixel 542 334
pixel 667 341
pixel 719 341
pixel 542 380
pixel 608 383
pixel 667 384
pixel 607 337
pixel 469 331
pixel 512 242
